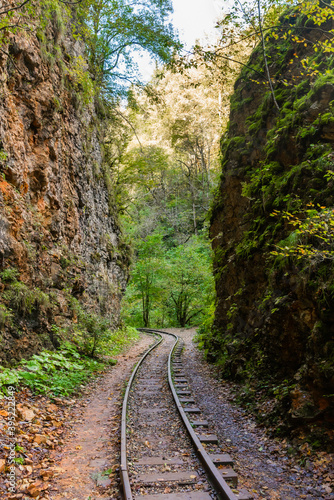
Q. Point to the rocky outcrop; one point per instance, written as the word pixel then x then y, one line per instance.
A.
pixel 59 237
pixel 274 320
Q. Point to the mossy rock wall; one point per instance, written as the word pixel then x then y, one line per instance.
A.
pixel 274 321
pixel 60 242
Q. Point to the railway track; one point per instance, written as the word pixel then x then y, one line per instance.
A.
pixel 167 449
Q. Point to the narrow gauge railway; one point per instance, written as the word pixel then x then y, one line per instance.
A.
pixel 167 450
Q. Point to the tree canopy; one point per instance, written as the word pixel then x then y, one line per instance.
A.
pixel 119 31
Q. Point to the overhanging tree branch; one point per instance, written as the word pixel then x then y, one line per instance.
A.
pixel 327 4
pixel 222 56
pixel 17 7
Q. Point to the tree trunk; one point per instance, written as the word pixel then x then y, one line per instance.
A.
pixel 194 218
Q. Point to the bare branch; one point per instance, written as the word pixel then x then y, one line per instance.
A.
pixel 70 3
pixel 265 56
pixel 132 127
pixel 238 62
pixel 327 4
pixel 10 57
pixel 14 8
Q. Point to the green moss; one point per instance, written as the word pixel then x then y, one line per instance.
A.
pixel 24 300
pixel 10 274
pixel 327 77
pixel 237 104
pixel 6 316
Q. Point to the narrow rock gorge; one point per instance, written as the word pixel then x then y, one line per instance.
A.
pixel 61 247
pixel 274 320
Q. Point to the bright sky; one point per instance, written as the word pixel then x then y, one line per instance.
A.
pixel 196 18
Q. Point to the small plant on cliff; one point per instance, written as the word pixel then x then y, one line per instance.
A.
pixel 24 300
pixel 5 316
pixel 20 297
pixel 314 234
pixel 9 274
pixel 81 79
pixel 3 156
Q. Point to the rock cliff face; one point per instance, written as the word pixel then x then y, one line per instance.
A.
pixel 274 321
pixel 59 237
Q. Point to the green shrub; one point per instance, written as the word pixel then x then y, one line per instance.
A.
pixel 61 373
pixel 90 330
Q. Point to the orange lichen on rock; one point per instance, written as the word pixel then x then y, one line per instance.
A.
pixel 53 213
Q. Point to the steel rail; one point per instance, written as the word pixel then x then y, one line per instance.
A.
pixel 218 482
pixel 124 471
pixel 222 488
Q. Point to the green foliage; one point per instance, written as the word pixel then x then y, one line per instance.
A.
pixel 206 328
pixel 313 237
pixel 3 156
pixel 5 316
pixel 169 286
pixel 61 373
pixel 24 300
pixel 285 158
pixel 82 80
pixel 269 23
pixel 190 282
pixel 147 274
pixel 52 373
pixel 90 330
pixel 164 190
pixel 92 333
pixel 9 274
pixel 118 340
pixel 114 31
pixel 270 183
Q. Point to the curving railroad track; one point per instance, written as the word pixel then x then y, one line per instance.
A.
pixel 167 450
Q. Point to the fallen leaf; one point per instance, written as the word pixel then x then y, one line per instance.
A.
pixel 25 413
pixel 52 407
pixel 40 438
pixel 35 489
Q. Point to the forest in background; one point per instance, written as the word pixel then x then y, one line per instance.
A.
pixel 165 183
